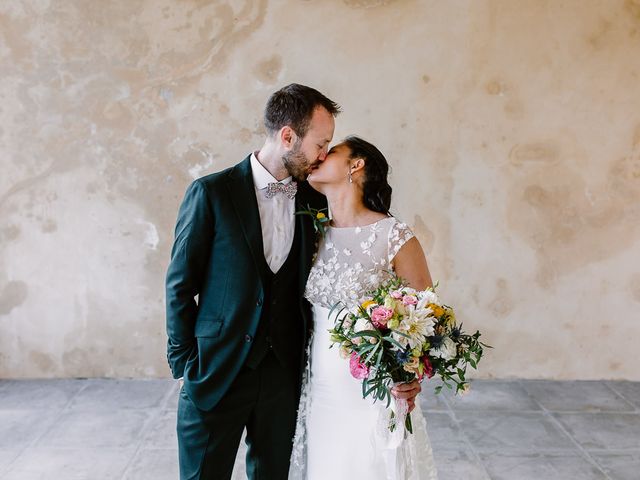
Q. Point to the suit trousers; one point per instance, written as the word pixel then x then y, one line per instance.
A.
pixel 263 400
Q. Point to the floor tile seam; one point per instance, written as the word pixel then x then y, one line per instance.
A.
pixel 484 410
pixel 562 412
pixel 530 453
pixel 633 407
pixel 85 409
pixel 469 445
pixel 55 421
pixel 4 470
pixel 532 450
pixel 78 449
pixel 564 431
pixel 161 403
pixel 568 412
pixel 604 414
pixel 159 449
pixel 154 417
pixel 614 451
pixel 443 396
pixel 607 383
pixel 57 418
pixel 585 454
pixel 65 405
pixel 594 412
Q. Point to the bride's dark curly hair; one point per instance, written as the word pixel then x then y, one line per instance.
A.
pixel 376 189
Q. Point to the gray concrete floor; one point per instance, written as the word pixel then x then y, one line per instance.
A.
pixel 517 430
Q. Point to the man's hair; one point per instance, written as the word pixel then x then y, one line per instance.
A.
pixel 293 106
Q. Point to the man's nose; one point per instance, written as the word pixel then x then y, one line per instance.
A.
pixel 323 154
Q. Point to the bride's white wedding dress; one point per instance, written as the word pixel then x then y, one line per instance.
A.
pixel 337 436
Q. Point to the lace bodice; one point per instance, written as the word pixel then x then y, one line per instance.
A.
pixel 353 260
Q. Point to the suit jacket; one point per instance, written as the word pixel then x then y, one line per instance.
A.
pixel 218 256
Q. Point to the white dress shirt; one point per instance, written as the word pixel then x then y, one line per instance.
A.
pixel 276 216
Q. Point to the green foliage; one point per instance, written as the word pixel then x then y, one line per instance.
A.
pixel 320 218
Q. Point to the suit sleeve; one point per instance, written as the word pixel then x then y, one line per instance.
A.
pixel 185 275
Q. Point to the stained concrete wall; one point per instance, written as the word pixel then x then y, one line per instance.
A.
pixel 513 130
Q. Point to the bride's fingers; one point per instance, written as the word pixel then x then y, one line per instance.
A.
pixel 406 390
pixel 406 394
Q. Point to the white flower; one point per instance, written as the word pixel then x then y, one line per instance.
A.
pixel 425 298
pixel 429 296
pixel 465 390
pixel 446 350
pixel 417 326
pixel 362 324
pixel 347 252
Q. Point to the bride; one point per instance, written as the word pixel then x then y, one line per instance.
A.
pixel 337 435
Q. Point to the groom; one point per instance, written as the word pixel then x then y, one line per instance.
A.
pixel 240 249
pixel 243 253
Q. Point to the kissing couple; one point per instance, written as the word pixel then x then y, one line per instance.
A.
pixel 249 289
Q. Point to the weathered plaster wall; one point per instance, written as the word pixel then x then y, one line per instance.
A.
pixel 513 129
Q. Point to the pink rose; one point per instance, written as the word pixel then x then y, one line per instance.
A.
pixel 358 369
pixel 409 300
pixel 380 316
pixel 397 294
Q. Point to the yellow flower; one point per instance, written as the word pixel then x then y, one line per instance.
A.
pixel 451 318
pixel 438 311
pixel 367 304
pixel 320 216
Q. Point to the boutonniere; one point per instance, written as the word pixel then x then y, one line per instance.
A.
pixel 319 218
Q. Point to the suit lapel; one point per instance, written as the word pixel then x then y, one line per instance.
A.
pixel 243 195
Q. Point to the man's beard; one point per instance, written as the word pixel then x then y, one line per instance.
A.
pixel 296 163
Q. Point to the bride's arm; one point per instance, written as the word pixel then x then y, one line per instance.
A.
pixel 410 264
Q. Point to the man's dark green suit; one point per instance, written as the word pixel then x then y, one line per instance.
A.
pixel 239 345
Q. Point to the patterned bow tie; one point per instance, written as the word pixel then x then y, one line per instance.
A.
pixel 289 189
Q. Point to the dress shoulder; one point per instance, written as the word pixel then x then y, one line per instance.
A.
pixel 399 234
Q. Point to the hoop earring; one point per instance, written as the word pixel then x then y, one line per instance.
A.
pixel 350 179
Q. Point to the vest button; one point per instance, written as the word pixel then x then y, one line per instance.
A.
pixel 247 338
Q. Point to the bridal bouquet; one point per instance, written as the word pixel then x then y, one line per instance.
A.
pixel 399 334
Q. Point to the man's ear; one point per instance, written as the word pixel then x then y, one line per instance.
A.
pixel 287 137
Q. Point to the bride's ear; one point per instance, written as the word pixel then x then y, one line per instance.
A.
pixel 356 165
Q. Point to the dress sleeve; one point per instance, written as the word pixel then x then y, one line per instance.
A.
pixel 399 234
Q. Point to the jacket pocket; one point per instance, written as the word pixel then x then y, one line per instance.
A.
pixel 208 327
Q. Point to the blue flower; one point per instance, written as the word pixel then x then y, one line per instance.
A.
pixel 402 356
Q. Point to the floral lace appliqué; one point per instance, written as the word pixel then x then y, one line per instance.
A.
pixel 351 261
